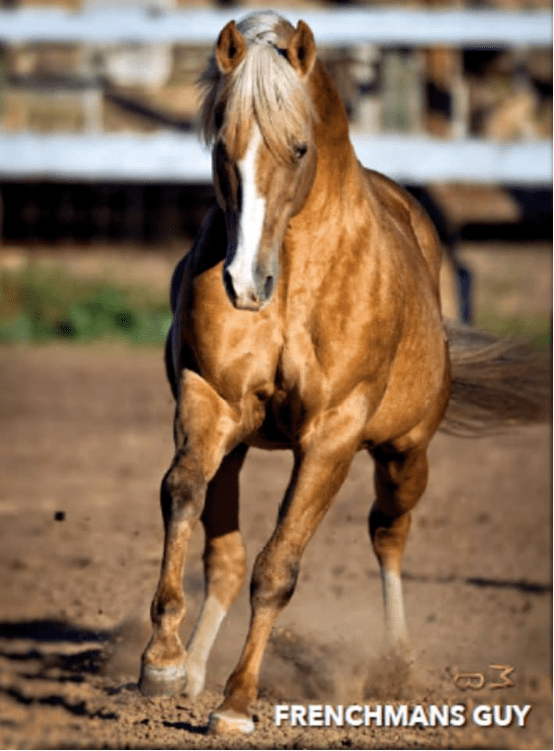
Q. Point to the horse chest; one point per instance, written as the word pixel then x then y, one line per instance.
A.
pixel 296 390
pixel 299 370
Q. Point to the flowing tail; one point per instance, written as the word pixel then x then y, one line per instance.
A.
pixel 496 383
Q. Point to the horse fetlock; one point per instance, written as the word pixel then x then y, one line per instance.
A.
pixel 196 678
pixel 164 650
pixel 241 690
pixel 233 716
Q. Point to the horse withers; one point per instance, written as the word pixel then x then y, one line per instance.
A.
pixel 306 316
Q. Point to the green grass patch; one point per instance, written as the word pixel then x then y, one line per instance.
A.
pixel 40 303
pixel 43 302
pixel 536 329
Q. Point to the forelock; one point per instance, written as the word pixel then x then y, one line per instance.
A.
pixel 264 87
pixel 266 27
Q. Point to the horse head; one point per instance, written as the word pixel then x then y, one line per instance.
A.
pixel 258 115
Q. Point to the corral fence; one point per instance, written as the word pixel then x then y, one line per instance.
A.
pixel 134 185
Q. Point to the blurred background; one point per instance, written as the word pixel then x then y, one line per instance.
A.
pixel 103 183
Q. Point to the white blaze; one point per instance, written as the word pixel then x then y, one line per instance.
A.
pixel 250 222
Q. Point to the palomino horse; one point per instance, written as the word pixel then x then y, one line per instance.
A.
pixel 307 316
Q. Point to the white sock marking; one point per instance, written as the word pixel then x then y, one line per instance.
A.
pixel 201 643
pixel 395 619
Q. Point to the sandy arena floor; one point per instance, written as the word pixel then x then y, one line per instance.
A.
pixel 85 439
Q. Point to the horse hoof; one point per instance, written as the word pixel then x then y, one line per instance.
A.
pixel 228 721
pixel 162 681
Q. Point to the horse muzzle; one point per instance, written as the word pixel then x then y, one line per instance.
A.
pixel 248 292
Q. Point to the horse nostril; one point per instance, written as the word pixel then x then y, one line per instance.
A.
pixel 268 286
pixel 228 283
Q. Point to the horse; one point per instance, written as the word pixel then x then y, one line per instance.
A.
pixel 307 317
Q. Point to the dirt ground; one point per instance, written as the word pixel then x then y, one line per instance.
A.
pixel 85 436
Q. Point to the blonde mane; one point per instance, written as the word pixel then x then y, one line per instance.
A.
pixel 263 88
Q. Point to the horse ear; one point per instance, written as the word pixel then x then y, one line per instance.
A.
pixel 301 51
pixel 230 48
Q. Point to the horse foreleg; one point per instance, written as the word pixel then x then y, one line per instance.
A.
pixel 399 483
pixel 316 478
pixel 163 662
pixel 204 425
pixel 224 564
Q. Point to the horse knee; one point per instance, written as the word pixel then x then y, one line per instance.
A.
pixel 273 581
pixel 183 490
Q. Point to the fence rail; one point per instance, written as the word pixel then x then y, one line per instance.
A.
pixel 386 27
pixel 181 158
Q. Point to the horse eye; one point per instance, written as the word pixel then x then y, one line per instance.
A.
pixel 300 150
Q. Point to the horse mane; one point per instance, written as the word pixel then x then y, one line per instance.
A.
pixel 263 88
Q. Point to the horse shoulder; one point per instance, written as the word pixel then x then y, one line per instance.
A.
pixel 207 251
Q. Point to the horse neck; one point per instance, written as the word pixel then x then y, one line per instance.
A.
pixel 339 178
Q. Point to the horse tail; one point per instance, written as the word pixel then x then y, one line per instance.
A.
pixel 496 383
